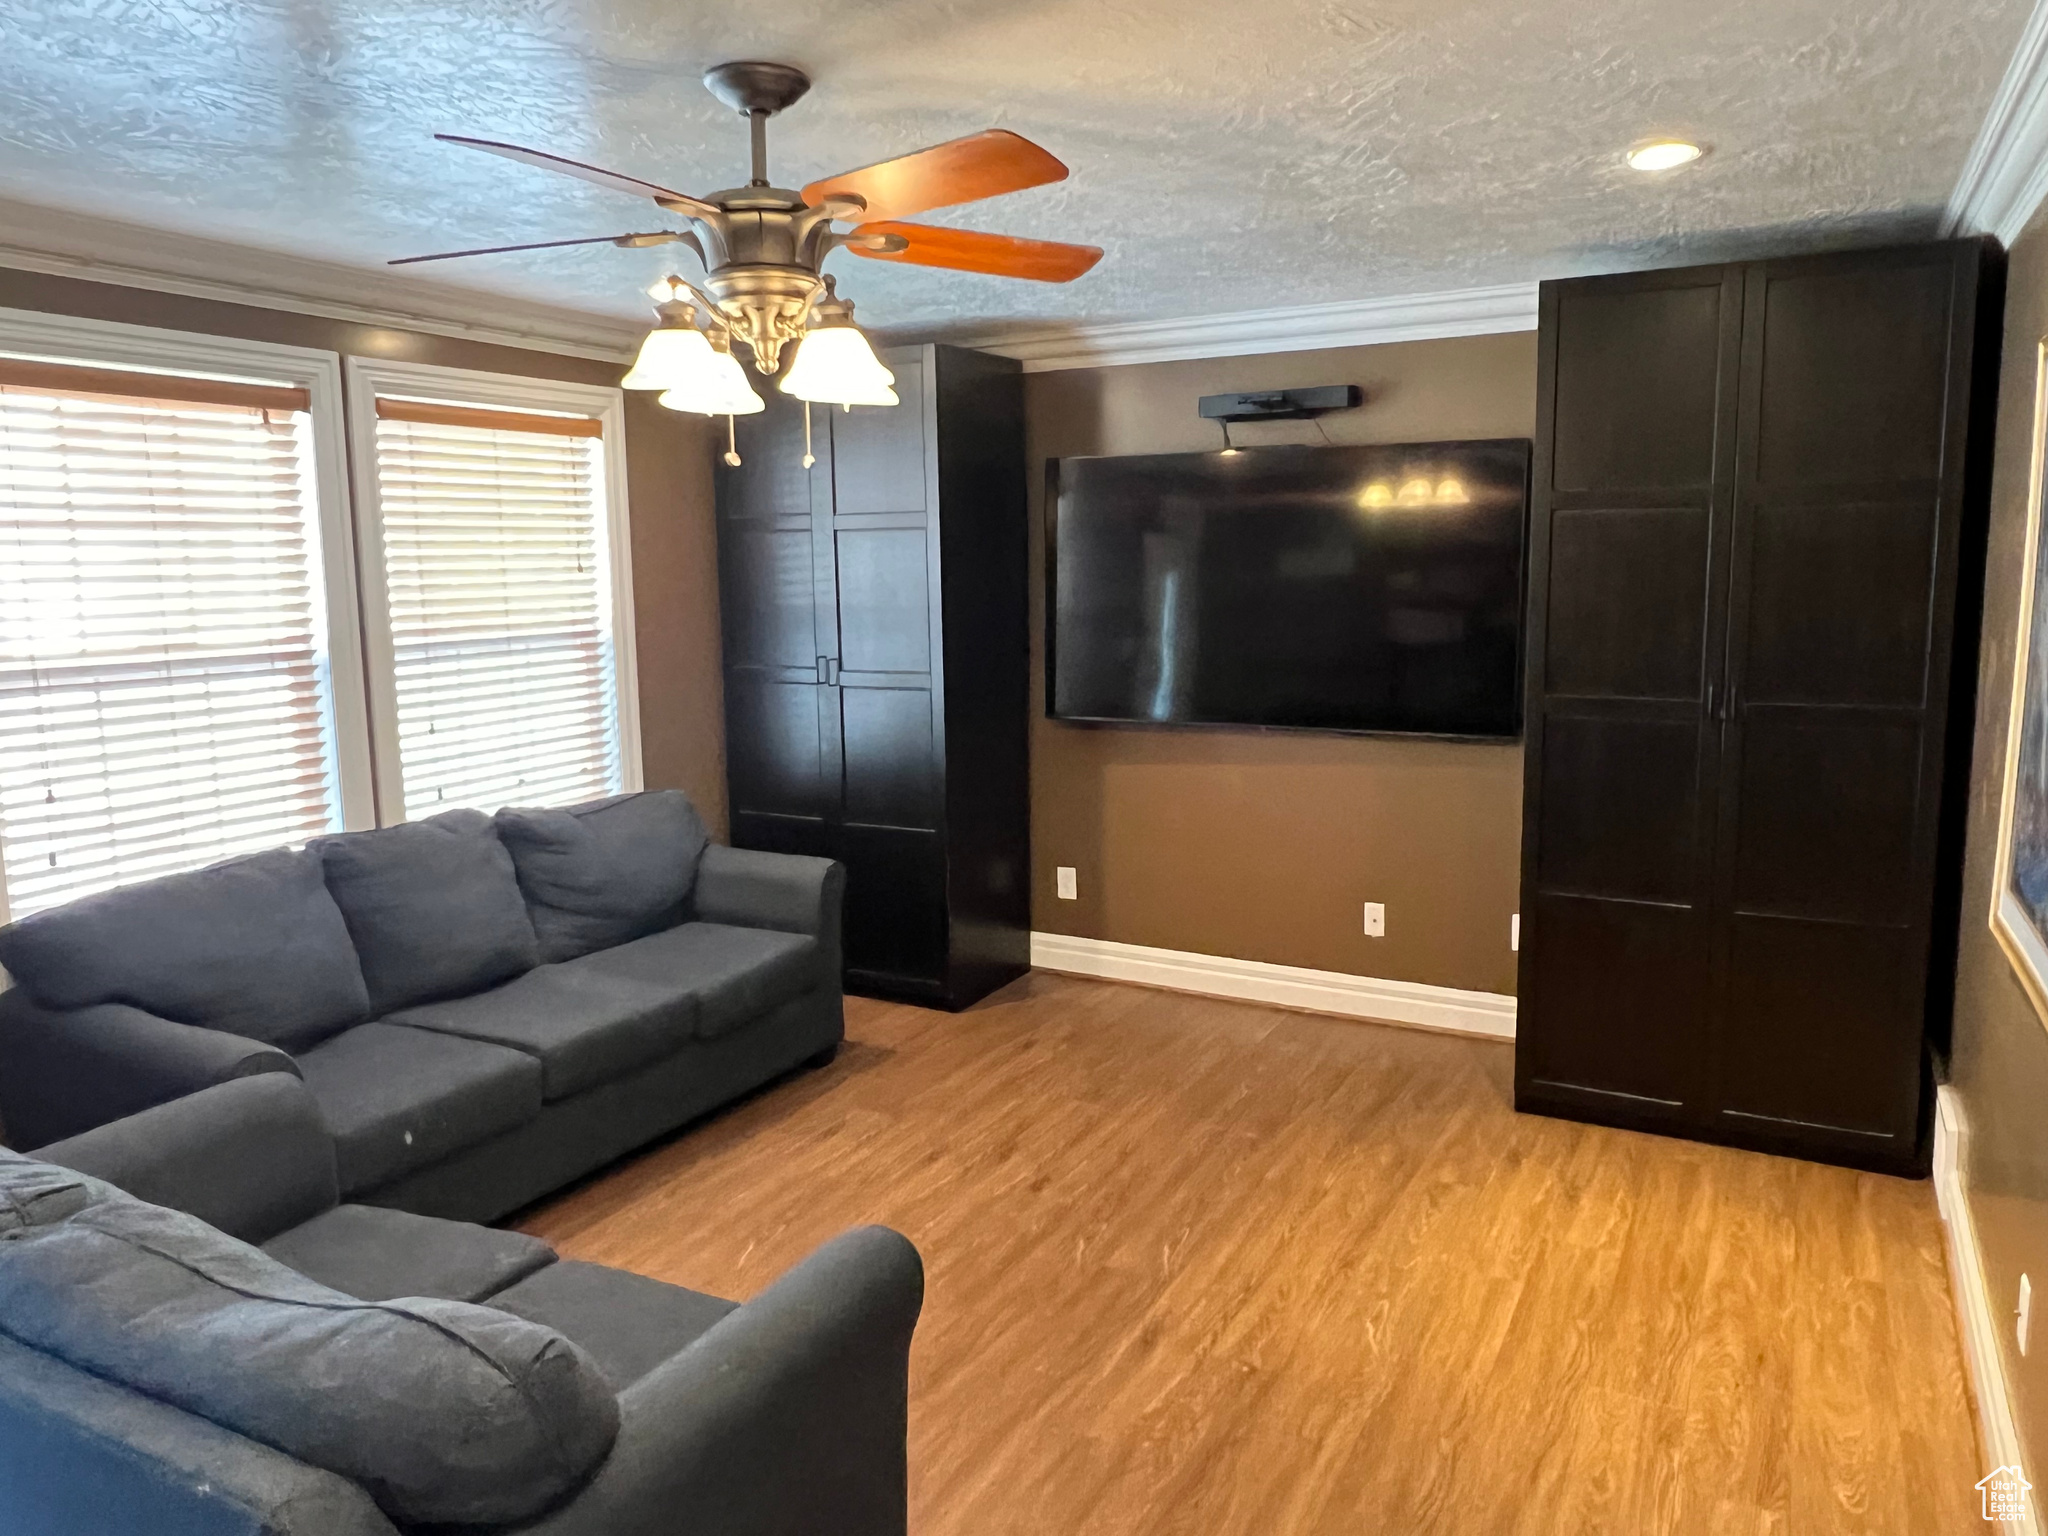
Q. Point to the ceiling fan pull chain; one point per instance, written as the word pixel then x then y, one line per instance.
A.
pixel 810 458
pixel 732 443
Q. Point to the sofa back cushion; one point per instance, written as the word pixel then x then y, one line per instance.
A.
pixel 254 946
pixel 597 875
pixel 444 1412
pixel 433 906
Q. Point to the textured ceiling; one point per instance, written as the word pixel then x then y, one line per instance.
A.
pixel 1228 155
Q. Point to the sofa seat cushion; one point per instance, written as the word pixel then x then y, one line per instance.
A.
pixel 627 1323
pixel 253 946
pixel 375 1254
pixel 398 1099
pixel 441 1411
pixel 433 907
pixel 599 874
pixel 583 1024
pixel 735 974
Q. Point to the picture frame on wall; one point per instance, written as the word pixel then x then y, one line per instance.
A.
pixel 2019 899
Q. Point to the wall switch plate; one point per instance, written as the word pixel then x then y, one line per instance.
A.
pixel 1515 932
pixel 1375 920
pixel 1069 887
pixel 2026 1311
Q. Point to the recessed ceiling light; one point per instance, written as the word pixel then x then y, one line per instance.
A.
pixel 1664 154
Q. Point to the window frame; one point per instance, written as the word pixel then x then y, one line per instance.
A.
pixel 78 341
pixel 365 379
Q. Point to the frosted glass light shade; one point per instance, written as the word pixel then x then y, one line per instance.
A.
pixel 672 357
pixel 836 366
pixel 722 390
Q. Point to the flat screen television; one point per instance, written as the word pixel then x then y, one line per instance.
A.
pixel 1373 589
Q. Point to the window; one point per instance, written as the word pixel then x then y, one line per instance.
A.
pixel 208 646
pixel 493 575
pixel 167 695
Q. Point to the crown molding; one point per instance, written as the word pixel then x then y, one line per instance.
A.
pixel 1305 328
pixel 2006 175
pixel 62 244
pixel 49 240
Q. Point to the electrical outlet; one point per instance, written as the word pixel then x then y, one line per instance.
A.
pixel 1515 932
pixel 2025 1310
pixel 1375 920
pixel 1069 887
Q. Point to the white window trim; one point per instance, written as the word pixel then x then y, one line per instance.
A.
pixel 366 379
pixel 69 339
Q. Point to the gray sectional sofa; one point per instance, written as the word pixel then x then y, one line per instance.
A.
pixel 483 1008
pixel 197 1339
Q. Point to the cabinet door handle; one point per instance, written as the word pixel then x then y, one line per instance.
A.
pixel 832 670
pixel 824 669
pixel 1713 701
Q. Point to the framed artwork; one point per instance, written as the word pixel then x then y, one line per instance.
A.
pixel 2019 902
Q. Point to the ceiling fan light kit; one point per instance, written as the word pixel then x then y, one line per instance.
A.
pixel 716 386
pixel 694 370
pixel 674 353
pixel 763 246
pixel 836 365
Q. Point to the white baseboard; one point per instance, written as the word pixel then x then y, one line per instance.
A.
pixel 1288 986
pixel 1978 1320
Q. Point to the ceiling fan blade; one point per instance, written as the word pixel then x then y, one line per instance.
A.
pixel 660 238
pixel 965 250
pixel 632 186
pixel 985 164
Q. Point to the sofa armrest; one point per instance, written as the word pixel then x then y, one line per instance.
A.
pixel 752 889
pixel 63 1071
pixel 252 1157
pixel 788 891
pixel 788 1415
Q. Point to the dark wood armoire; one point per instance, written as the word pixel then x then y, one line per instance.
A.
pixel 1756 565
pixel 876 665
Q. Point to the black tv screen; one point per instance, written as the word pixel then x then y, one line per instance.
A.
pixel 1324 588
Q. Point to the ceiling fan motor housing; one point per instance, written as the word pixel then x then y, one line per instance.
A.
pixel 762 250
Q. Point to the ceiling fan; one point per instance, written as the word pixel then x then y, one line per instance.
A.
pixel 762 247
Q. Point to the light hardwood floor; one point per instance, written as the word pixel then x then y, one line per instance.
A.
pixel 1206 1267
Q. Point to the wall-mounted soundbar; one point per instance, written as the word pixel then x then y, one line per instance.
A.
pixel 1282 404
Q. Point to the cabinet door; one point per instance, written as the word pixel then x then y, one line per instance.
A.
pixel 1628 565
pixel 887 644
pixel 1854 395
pixel 777 613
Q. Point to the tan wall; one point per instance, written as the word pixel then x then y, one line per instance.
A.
pixel 668 461
pixel 1265 845
pixel 2000 1060
pixel 675 604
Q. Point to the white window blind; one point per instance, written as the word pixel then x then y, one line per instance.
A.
pixel 164 690
pixel 493 528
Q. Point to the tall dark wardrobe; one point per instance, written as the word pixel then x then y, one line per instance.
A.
pixel 1756 565
pixel 876 665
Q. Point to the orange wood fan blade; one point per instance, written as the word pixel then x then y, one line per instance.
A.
pixel 985 164
pixel 964 250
